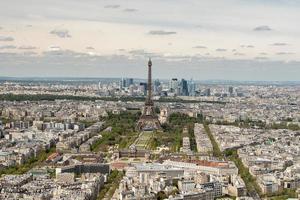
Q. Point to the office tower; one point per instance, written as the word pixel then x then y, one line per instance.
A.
pixel 123 82
pixel 207 92
pixel 143 88
pixel 127 82
pixel 230 90
pixel 173 85
pixel 148 119
pixel 156 87
pixel 184 88
pixel 192 88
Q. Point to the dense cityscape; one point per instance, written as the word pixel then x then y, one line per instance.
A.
pixel 149 100
pixel 99 140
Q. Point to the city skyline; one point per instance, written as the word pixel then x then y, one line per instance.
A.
pixel 231 40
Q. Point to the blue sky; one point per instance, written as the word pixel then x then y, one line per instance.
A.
pixel 230 39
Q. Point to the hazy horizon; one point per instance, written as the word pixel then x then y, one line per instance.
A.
pixel 136 79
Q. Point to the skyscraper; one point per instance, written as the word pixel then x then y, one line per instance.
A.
pixel 173 85
pixel 127 82
pixel 230 90
pixel 143 88
pixel 184 88
pixel 207 92
pixel 192 88
pixel 157 87
pixel 121 84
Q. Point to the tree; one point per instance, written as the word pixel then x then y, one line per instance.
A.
pixel 161 195
pixel 157 110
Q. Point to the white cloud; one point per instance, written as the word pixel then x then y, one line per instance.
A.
pixel 130 10
pixel 238 54
pixel 262 28
pixel 221 49
pixel 8 47
pixel 6 38
pixel 280 44
pixel 284 53
pixel 162 32
pixel 112 6
pixel 247 46
pixel 200 47
pixel 24 47
pixel 54 48
pixel 261 58
pixel 62 33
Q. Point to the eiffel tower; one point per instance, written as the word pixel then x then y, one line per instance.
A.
pixel 148 120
